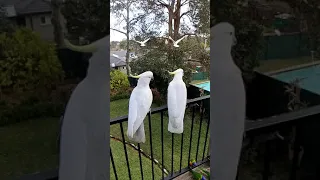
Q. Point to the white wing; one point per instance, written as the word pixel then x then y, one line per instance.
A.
pixel 133 113
pixel 146 40
pixel 177 98
pixel 137 41
pixel 181 39
pixel 171 39
pixel 139 106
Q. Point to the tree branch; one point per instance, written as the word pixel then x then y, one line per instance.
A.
pixel 119 31
pixel 184 3
pixel 161 3
pixel 185 13
pixel 190 34
pixel 193 60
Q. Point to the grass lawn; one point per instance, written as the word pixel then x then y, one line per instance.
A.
pixel 277 64
pixel 117 108
pixel 30 146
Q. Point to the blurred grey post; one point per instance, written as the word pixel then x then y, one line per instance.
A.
pixel 84 144
pixel 227 104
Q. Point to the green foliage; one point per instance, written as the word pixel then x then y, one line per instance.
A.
pixel 308 12
pixel 248 32
pixel 26 111
pixel 293 90
pixel 159 61
pixel 118 96
pixel 200 11
pixel 118 81
pixel 27 62
pixel 87 18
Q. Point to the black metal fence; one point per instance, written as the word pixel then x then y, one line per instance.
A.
pixel 201 155
pixel 300 119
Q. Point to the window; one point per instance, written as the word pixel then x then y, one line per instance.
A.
pixel 44 20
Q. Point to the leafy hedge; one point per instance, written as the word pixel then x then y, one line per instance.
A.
pixel 23 112
pixel 118 81
pixel 28 62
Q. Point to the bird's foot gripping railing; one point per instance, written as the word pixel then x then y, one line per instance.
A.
pixel 164 155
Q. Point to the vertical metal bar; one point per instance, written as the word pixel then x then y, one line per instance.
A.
pixel 151 150
pixel 141 169
pixel 296 152
pixel 113 165
pixel 172 149
pixel 266 170
pixel 162 163
pixel 205 141
pixel 190 144
pixel 201 118
pixel 125 150
pixel 181 150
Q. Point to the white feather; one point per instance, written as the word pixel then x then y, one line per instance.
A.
pixel 84 142
pixel 227 109
pixel 177 100
pixel 139 105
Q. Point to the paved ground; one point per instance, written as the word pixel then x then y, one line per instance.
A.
pixel 188 175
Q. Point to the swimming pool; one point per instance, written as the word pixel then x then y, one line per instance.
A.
pixel 203 85
pixel 310 77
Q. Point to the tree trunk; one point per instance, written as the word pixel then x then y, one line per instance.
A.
pixel 170 23
pixel 128 48
pixel 177 20
pixel 56 22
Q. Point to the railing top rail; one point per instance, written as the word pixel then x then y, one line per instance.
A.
pixel 158 109
pixel 276 121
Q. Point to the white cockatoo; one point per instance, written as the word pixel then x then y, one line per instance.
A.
pixel 139 106
pixel 84 145
pixel 175 43
pixel 177 101
pixel 227 105
pixel 142 43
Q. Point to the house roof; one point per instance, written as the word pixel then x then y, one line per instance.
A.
pixel 24 7
pixel 116 61
pixel 119 58
pixel 121 54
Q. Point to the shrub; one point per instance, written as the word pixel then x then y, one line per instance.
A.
pixel 23 112
pixel 119 81
pixel 157 61
pixel 121 95
pixel 27 62
pixel 157 98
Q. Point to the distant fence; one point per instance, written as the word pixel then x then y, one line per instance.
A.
pixel 199 76
pixel 290 45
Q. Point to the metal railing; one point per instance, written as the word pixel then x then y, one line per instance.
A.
pixel 183 165
pixel 253 129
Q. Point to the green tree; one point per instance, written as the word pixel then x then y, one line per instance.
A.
pixel 89 19
pixel 248 30
pixel 161 57
pixel 156 61
pixel 124 11
pixel 27 62
pixel 308 13
pixel 118 81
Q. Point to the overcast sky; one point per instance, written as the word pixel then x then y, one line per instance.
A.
pixel 116 36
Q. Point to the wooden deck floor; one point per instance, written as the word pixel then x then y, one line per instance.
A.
pixel 188 175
